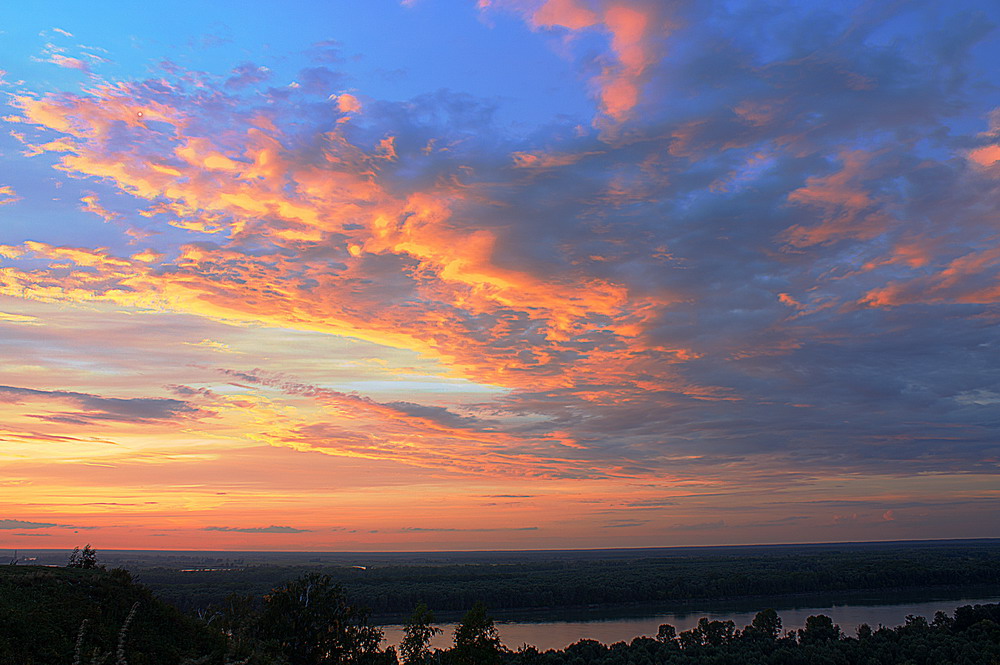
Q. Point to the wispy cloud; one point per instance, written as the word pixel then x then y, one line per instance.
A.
pixel 8 524
pixel 417 529
pixel 20 524
pixel 8 195
pixel 257 529
pixel 625 524
pixel 18 318
pixel 699 526
pixel 637 32
pixel 96 408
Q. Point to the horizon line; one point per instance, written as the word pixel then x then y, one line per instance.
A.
pixel 550 550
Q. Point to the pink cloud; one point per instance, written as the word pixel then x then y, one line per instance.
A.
pixel 847 209
pixel 68 62
pixel 636 30
pixel 985 156
pixel 563 13
pixel 348 103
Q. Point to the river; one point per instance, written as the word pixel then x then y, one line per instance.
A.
pixel 557 630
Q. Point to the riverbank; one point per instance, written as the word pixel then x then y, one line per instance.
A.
pixel 558 630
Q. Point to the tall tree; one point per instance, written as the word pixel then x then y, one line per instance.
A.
pixel 819 628
pixel 83 559
pixel 766 624
pixel 716 633
pixel 476 639
pixel 238 618
pixel 415 647
pixel 312 623
pixel 666 634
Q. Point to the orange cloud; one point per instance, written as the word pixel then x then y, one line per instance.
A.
pixel 491 323
pixel 92 204
pixel 985 156
pixel 973 278
pixel 848 210
pixel 787 299
pixel 565 14
pixel 635 29
pixel 226 285
pixel 8 195
pixel 347 425
pixel 348 103
pixel 620 86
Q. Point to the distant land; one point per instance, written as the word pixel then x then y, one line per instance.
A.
pixel 61 614
pixel 120 557
pixel 391 584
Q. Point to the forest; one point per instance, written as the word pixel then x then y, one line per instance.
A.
pixel 390 588
pixel 82 613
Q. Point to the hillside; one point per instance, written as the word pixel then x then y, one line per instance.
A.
pixel 42 610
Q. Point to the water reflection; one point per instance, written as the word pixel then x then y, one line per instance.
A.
pixel 548 630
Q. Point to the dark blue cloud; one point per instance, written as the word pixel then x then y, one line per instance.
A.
pixel 6 524
pixel 95 408
pixel 257 529
pixel 417 529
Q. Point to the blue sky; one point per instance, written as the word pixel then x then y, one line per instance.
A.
pixel 586 272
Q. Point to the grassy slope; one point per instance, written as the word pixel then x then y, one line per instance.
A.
pixel 41 610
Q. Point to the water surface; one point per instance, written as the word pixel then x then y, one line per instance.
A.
pixel 548 630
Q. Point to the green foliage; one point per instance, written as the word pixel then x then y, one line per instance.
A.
pixel 238 618
pixel 712 633
pixel 476 639
pixel 765 625
pixel 666 633
pixel 43 610
pixel 971 638
pixel 819 628
pixel 417 636
pixel 312 623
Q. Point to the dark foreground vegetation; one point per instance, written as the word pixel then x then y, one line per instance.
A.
pixel 86 615
pixel 559 580
pixel 44 611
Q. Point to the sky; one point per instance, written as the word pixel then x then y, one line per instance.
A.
pixel 506 274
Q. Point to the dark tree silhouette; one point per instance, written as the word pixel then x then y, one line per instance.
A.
pixel 476 639
pixel 83 559
pixel 819 628
pixel 418 633
pixel 311 622
pixel 766 624
pixel 666 633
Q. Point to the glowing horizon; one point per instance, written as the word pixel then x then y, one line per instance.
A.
pixel 507 274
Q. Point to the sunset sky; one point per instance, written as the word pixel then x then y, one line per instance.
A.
pixel 506 274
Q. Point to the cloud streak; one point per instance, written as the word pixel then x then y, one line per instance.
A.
pixel 256 529
pixel 95 408
pixel 8 524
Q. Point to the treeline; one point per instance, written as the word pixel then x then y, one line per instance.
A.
pixel 396 589
pixel 970 637
pixel 90 615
